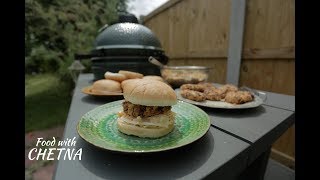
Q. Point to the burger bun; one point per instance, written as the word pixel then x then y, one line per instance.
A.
pixel 115 76
pixel 105 86
pixel 131 75
pixel 144 131
pixel 148 92
pixel 150 77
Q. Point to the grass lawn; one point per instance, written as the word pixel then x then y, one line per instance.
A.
pixel 47 101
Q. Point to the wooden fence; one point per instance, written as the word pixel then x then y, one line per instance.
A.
pixel 196 32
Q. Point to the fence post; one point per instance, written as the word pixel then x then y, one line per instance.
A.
pixel 238 8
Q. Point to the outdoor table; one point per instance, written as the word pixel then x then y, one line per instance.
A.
pixel 237 145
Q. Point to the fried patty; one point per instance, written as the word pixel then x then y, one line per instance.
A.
pixel 193 95
pixel 239 97
pixel 193 87
pixel 135 110
pixel 214 94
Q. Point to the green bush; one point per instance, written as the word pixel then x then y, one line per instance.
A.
pixel 55 30
pixel 43 60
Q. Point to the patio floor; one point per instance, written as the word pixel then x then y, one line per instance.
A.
pixel 277 171
pixel 40 170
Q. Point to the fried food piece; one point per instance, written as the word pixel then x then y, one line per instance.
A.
pixel 194 87
pixel 136 110
pixel 238 97
pixel 193 95
pixel 227 88
pixel 214 94
pixel 207 85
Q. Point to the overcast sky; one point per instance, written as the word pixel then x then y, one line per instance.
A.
pixel 143 7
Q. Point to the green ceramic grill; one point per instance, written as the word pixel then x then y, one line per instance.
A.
pixel 125 45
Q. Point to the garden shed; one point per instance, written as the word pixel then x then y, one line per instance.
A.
pixel 197 32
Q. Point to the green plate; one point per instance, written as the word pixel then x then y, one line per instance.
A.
pixel 99 127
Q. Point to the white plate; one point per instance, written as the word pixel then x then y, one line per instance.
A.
pixel 223 105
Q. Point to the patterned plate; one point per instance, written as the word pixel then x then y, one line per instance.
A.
pixel 99 127
pixel 88 90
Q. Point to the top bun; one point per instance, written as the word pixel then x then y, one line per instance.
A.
pixel 106 85
pixel 115 76
pixel 151 77
pixel 148 92
pixel 131 75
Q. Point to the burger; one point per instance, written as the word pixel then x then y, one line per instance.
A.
pixel 147 108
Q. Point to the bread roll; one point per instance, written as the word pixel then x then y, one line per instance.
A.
pixel 105 86
pixel 143 131
pixel 150 77
pixel 131 75
pixel 148 92
pixel 115 76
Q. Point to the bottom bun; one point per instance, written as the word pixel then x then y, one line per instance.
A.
pixel 145 132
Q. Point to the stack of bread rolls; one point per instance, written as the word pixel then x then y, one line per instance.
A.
pixel 112 81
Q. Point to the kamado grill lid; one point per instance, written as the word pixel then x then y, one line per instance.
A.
pixel 126 38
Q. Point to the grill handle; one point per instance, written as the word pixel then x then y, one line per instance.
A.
pixel 83 56
pixel 162 58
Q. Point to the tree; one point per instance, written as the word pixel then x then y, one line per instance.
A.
pixel 55 30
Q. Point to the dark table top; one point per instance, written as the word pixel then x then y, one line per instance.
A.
pixel 282 101
pixel 235 138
